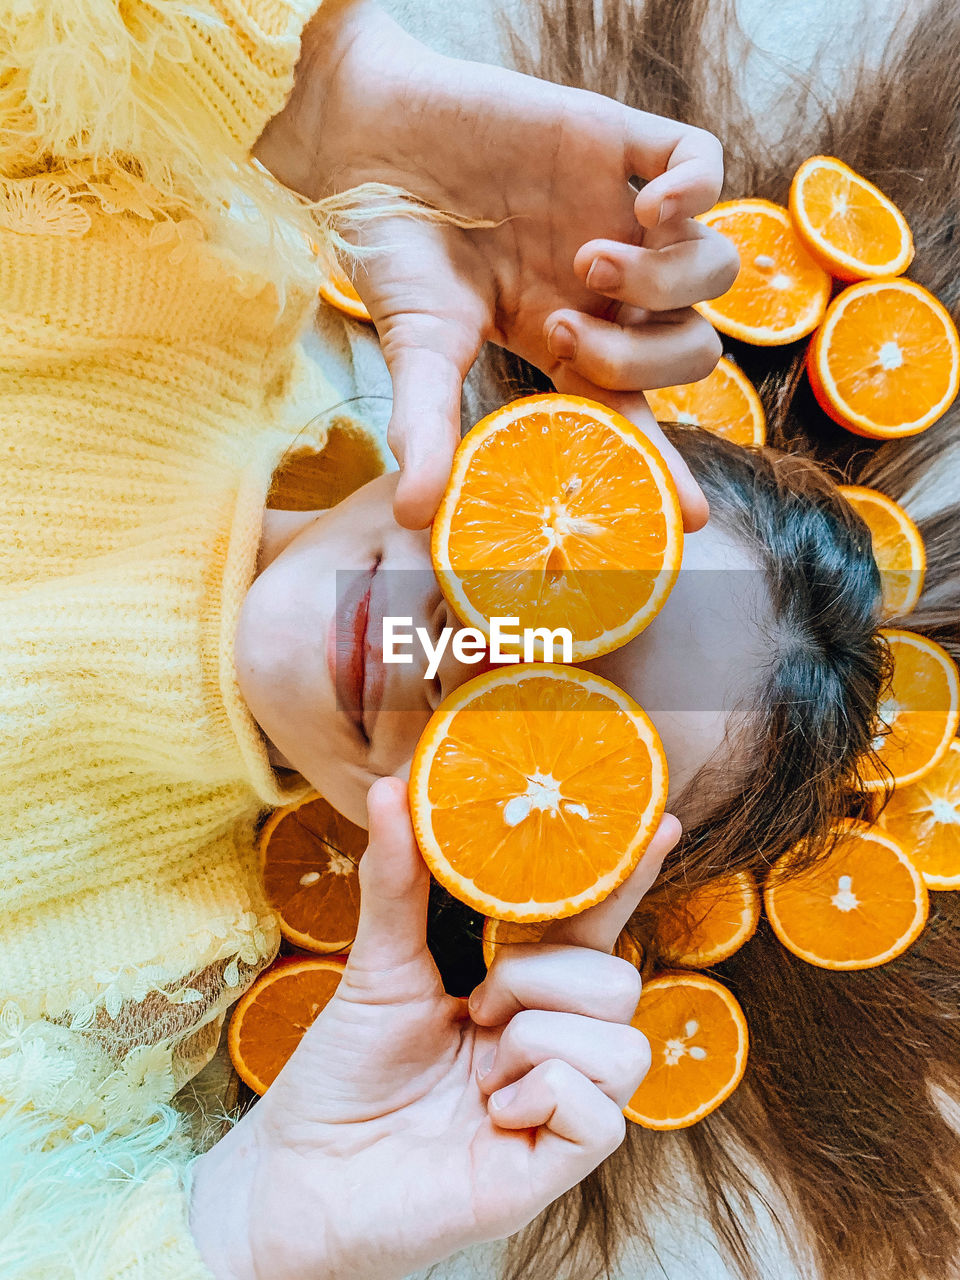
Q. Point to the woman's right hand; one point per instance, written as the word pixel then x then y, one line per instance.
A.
pixel 404 1128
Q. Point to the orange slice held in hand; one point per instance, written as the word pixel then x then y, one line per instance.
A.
pixel 698 1046
pixel 781 293
pixel 504 933
pixel 847 223
pixel 886 360
pixel 921 708
pixel 925 818
pixel 535 790
pixel 861 906
pixel 272 1018
pixel 724 402
pixel 561 513
pixel 309 855
pixel 897 548
pixel 713 922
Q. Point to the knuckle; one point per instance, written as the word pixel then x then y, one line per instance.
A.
pixel 634 1061
pixel 609 1127
pixel 557 1076
pixel 520 1034
pixel 727 268
pixel 705 350
pixel 623 988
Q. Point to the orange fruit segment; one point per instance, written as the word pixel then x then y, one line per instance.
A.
pixel 338 291
pixel 504 933
pixel 852 229
pixel 535 789
pixel 781 293
pixel 897 548
pixel 561 513
pixel 308 857
pixel 713 922
pixel 921 708
pixel 925 818
pixel 272 1018
pixel 724 402
pixel 886 360
pixel 861 906
pixel 698 1045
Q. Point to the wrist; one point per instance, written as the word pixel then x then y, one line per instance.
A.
pixel 220 1203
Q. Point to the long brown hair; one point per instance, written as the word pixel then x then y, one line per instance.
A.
pixel 837 1140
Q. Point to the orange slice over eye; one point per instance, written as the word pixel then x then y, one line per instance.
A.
pixel 925 818
pixel 338 291
pixel 272 1018
pixel 852 229
pixel 724 402
pixel 504 933
pixel 921 709
pixel 535 790
pixel 698 1048
pixel 309 855
pixel 861 906
pixel 713 922
pixel 897 548
pixel 781 293
pixel 562 514
pixel 886 360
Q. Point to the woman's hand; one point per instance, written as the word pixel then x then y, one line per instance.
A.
pixel 588 280
pixel 403 1128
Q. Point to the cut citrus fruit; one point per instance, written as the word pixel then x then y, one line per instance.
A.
pixel 852 229
pixel 724 402
pixel 859 907
pixel 713 922
pixel 698 1047
pixel 886 360
pixel 340 293
pixel 309 855
pixel 535 789
pixel 781 293
pixel 561 513
pixel 925 818
pixel 897 548
pixel 921 708
pixel 272 1017
pixel 504 933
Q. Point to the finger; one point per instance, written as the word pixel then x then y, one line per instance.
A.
pixel 633 358
pixel 599 927
pixel 684 166
pixel 562 979
pixel 614 1055
pixel 676 276
pixel 394 884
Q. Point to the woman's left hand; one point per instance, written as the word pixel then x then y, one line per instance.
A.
pixel 550 166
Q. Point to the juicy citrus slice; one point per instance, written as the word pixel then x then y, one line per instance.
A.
pixel 897 547
pixel 698 1046
pixel 340 293
pixel 505 933
pixel 921 708
pixel 724 402
pixel 886 360
pixel 925 818
pixel 859 907
pixel 781 293
pixel 852 229
pixel 713 922
pixel 535 789
pixel 272 1017
pixel 308 857
pixel 561 513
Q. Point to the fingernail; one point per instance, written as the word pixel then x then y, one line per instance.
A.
pixel 485 1065
pixel 503 1097
pixel 562 341
pixel 604 275
pixel 476 999
pixel 666 210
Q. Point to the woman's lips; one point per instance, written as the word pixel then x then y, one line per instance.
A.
pixel 356 666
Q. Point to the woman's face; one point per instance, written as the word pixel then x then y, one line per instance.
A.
pixel 309 651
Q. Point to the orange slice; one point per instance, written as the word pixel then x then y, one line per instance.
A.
pixel 340 293
pixel 847 223
pixel 561 513
pixel 886 360
pixel 724 402
pixel 897 548
pixel 309 855
pixel 781 293
pixel 272 1017
pixel 713 922
pixel 504 933
pixel 921 708
pixel 698 1045
pixel 535 789
pixel 859 907
pixel 925 818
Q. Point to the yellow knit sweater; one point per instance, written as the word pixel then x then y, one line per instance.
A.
pixel 149 384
